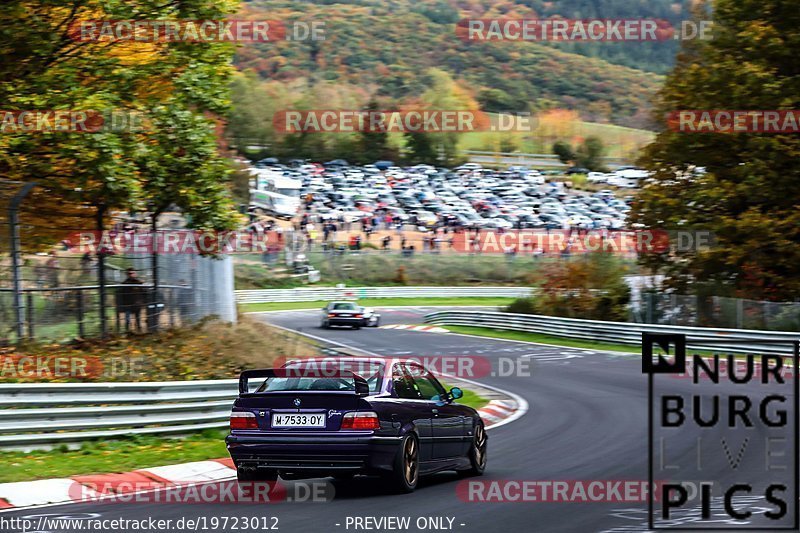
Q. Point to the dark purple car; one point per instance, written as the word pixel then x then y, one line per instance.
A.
pixel 346 416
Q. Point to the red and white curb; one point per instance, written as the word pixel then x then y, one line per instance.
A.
pixel 497 411
pixel 411 327
pixel 95 486
pixel 76 489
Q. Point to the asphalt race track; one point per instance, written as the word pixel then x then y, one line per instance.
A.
pixel 587 420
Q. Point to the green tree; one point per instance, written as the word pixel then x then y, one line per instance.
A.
pixel 420 149
pixel 564 152
pixel 168 156
pixel 83 177
pixel 445 94
pixel 590 154
pixel 748 195
pixel 374 145
pixel 252 109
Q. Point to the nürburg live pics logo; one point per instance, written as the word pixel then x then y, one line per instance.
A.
pixel 723 445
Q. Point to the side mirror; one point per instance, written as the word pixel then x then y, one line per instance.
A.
pixel 456 393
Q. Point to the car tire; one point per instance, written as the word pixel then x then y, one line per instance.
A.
pixel 324 325
pixel 405 470
pixel 477 454
pixel 377 323
pixel 356 327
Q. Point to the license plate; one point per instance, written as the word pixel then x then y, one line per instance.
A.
pixel 345 315
pixel 298 421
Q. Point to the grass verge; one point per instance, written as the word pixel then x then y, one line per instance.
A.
pixel 470 398
pixel 541 338
pixel 379 302
pixel 101 457
pixel 208 350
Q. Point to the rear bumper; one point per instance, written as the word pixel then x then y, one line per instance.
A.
pixel 350 321
pixel 314 454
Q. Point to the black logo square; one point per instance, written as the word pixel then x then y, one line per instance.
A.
pixel 664 365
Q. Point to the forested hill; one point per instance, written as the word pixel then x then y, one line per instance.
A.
pixel 389 45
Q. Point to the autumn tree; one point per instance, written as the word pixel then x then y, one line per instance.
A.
pixel 444 94
pixel 88 175
pixel 741 187
pixel 167 156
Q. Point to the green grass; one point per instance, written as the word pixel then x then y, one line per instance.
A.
pixel 376 269
pixel 545 339
pixel 470 398
pixel 102 457
pixel 560 341
pixel 380 302
pixel 620 142
pixel 391 269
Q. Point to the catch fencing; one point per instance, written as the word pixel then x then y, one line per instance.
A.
pixel 65 302
pixel 619 332
pixel 716 311
pixel 68 293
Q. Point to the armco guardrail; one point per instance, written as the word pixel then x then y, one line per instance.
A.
pixel 313 294
pixel 746 341
pixel 81 411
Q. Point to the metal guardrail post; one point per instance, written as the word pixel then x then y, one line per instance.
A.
pixel 16 264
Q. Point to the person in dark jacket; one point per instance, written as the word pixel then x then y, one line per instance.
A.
pixel 131 299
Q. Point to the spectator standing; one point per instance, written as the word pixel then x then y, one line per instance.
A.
pixel 52 266
pixel 131 299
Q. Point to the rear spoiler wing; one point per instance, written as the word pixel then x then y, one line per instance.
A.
pixel 361 385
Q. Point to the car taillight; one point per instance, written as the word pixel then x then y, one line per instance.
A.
pixel 359 316
pixel 243 421
pixel 365 420
pixel 331 315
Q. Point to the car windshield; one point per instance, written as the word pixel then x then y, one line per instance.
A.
pixel 344 307
pixel 325 376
